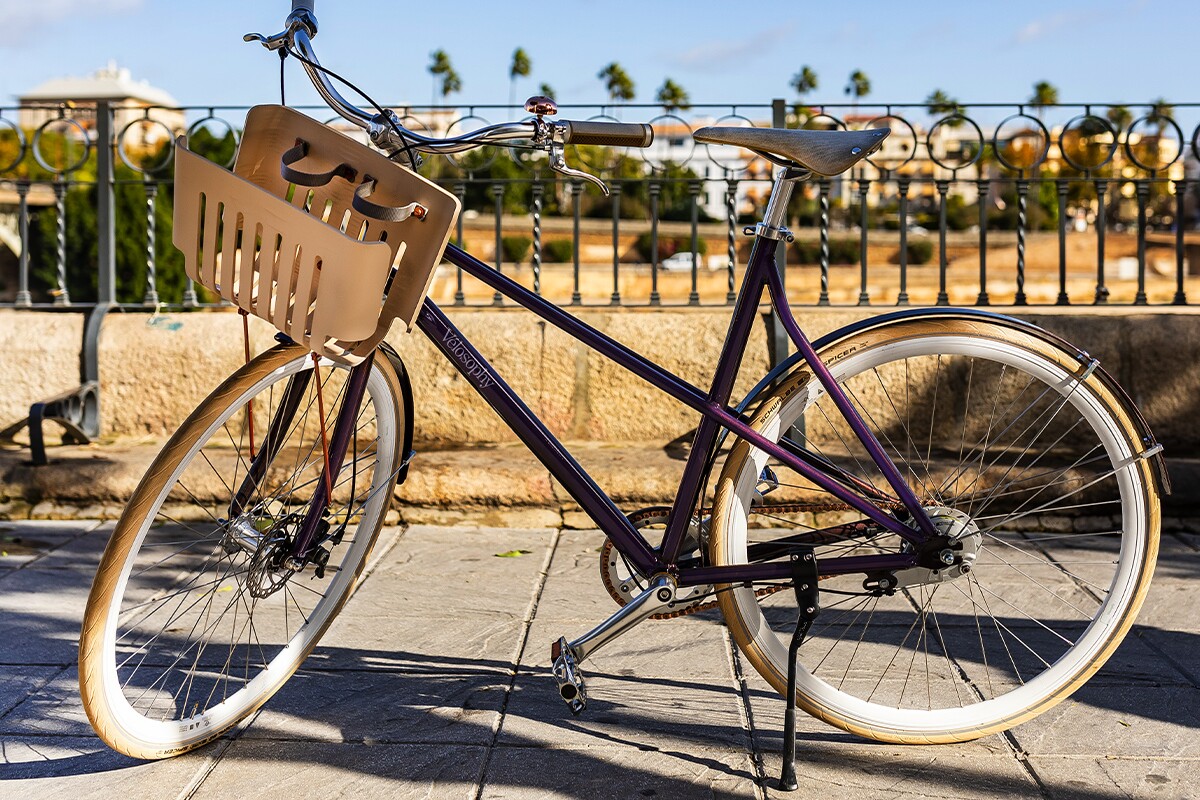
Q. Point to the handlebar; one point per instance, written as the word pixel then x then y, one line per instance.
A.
pixel 388 134
pixel 611 134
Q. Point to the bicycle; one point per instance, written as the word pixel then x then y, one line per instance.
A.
pixel 889 492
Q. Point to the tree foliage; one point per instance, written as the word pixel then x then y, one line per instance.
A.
pixel 617 83
pixel 673 97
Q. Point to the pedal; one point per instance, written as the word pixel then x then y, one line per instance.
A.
pixel 571 687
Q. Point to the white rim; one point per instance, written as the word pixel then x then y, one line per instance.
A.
pixel 1031 694
pixel 178 733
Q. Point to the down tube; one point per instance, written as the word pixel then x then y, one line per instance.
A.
pixel 499 395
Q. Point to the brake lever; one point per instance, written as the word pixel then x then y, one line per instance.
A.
pixel 559 164
pixel 297 19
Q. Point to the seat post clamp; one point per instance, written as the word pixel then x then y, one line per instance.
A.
pixel 769 232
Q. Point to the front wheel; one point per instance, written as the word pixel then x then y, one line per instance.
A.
pixel 1022 456
pixel 195 616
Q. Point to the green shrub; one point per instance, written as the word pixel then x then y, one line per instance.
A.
pixel 558 251
pixel 920 251
pixel 516 248
pixel 841 251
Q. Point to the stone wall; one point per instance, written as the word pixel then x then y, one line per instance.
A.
pixel 154 370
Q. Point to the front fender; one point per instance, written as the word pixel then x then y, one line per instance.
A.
pixel 407 403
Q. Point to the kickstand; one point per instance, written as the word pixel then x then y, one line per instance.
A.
pixel 804 581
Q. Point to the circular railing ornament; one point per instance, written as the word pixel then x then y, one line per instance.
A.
pixel 715 151
pixel 586 158
pixel 1015 151
pixel 145 124
pixel 81 135
pixel 1072 142
pixel 1152 143
pixel 663 125
pixel 208 122
pixel 477 158
pixel 882 122
pixel 8 128
pixel 949 122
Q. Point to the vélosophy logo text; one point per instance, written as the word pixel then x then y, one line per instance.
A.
pixel 474 370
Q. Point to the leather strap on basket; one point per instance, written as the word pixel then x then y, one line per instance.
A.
pixel 291 175
pixel 381 212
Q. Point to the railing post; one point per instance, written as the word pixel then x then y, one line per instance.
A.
pixel 1142 188
pixel 943 186
pixel 576 190
pixel 823 189
pixel 150 298
pixel 1101 226
pixel 537 237
pixel 63 296
pixel 615 193
pixel 778 343
pixel 1061 188
pixel 731 214
pixel 106 228
pixel 982 188
pixel 655 191
pixel 24 299
pixel 864 185
pixel 498 195
pixel 694 196
pixel 902 185
pixel 460 191
pixel 1180 192
pixel 1022 210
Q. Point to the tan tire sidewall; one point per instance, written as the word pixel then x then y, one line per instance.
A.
pixel 741 630
pixel 91 641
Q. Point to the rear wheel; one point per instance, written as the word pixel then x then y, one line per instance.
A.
pixel 1023 457
pixel 195 617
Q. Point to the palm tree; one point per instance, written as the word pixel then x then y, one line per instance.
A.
pixel 520 68
pixel 858 86
pixel 546 90
pixel 1045 94
pixel 673 97
pixel 1160 112
pixel 941 104
pixel 617 82
pixel 451 82
pixel 804 81
pixel 1120 117
pixel 439 67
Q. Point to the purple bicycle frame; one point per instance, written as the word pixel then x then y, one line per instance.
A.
pixel 716 415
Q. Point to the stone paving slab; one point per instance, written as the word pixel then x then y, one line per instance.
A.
pixel 434 682
pixel 1090 778
pixel 561 772
pixel 303 770
pixel 83 768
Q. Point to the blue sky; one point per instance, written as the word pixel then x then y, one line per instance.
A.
pixel 721 52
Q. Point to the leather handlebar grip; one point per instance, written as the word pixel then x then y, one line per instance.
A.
pixel 610 134
pixel 302 5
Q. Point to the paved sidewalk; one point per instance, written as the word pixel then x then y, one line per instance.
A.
pixel 434 683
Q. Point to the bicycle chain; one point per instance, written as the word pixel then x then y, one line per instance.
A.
pixel 766 591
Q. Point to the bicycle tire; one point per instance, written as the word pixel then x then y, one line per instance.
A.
pixel 850 672
pixel 154 688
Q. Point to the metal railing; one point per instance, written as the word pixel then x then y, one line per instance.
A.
pixel 1053 204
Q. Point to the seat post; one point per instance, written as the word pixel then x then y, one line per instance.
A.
pixel 773 226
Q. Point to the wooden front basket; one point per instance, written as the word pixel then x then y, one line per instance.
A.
pixel 319 235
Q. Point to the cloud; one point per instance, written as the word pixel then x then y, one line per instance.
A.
pixel 21 19
pixel 713 56
pixel 1040 28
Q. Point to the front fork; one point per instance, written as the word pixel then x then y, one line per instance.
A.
pixel 343 431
